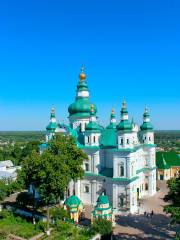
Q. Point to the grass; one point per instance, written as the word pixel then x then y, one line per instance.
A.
pixel 10 224
pixel 66 230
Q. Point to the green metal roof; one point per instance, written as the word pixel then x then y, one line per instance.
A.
pixel 166 160
pixel 51 126
pixel 108 137
pixel 146 126
pixel 93 127
pixel 103 199
pixel 81 105
pixel 108 173
pixel 72 201
pixel 124 125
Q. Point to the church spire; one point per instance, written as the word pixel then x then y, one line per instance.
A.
pixel 146 121
pixel 124 124
pixel 52 122
pixel 113 116
pixel 52 113
pixel 124 112
pixel 82 75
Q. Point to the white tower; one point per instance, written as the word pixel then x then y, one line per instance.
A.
pixel 79 111
pixel 51 128
pixel 124 129
pixel 92 130
pixel 147 133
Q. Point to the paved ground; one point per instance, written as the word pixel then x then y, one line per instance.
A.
pixel 141 227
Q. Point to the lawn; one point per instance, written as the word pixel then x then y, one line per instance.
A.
pixel 66 230
pixel 17 225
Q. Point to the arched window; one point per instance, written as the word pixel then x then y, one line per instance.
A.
pixel 121 169
pixel 127 141
pixel 94 139
pixel 86 189
pixel 88 139
pixel 121 201
pixel 86 166
pixel 121 141
pixel 146 186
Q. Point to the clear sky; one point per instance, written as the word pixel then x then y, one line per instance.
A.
pixel 131 50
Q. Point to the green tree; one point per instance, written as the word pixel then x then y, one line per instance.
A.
pixel 3 192
pixel 104 227
pixel 51 171
pixel 29 147
pixel 173 198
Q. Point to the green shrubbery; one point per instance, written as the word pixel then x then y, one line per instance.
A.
pixel 9 223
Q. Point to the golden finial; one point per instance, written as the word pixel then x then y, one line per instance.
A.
pixel 82 75
pixel 112 111
pixel 124 104
pixel 92 108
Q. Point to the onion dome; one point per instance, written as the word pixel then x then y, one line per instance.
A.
pixel 72 201
pixel 146 126
pixel 93 126
pixel 103 199
pixel 124 124
pixel 112 120
pixel 81 106
pixel 52 122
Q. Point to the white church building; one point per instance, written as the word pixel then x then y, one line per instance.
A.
pixel 121 156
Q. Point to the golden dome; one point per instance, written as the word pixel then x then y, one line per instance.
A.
pixel 82 75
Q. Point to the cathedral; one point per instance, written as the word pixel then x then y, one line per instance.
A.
pixel 121 156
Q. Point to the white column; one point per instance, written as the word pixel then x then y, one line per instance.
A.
pixel 93 192
pixel 115 197
pixel 77 188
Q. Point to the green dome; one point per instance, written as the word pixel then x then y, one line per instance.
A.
pixel 81 106
pixel 103 199
pixel 94 127
pixel 51 126
pixel 124 125
pixel 146 126
pixel 72 201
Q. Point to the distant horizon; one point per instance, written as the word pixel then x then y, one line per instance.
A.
pixel 130 50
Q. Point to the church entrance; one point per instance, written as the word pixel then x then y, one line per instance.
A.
pixel 161 177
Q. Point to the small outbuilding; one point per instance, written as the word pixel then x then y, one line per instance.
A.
pixel 103 210
pixel 74 207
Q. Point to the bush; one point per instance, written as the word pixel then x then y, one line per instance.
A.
pixel 41 226
pixel 103 227
pixel 59 214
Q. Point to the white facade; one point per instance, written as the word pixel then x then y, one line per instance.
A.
pixel 125 173
pixel 124 168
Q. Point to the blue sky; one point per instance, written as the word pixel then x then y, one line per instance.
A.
pixel 131 50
